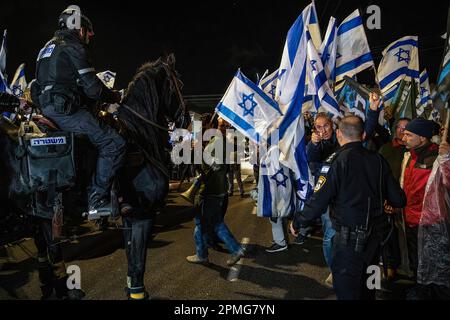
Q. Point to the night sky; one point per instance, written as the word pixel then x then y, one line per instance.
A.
pixel 210 39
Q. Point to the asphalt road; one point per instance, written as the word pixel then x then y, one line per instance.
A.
pixel 297 273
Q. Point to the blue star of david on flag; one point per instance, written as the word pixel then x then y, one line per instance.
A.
pixel 107 77
pixel 283 177
pixel 17 90
pixel 423 90
pixel 313 65
pixel 403 58
pixel 272 91
pixel 248 110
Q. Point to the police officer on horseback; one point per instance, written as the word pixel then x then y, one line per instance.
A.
pixel 65 82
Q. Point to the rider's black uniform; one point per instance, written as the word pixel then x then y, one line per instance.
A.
pixel 66 79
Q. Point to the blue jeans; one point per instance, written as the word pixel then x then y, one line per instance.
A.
pixel 328 234
pixel 209 219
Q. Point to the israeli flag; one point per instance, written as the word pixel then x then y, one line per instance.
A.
pixel 4 85
pixel 269 84
pixel 400 60
pixel 108 78
pixel 424 97
pixel 3 53
pixel 292 67
pixel 291 90
pixel 353 52
pixel 314 27
pixel 276 195
pixel 328 50
pixel 318 81
pixel 248 108
pixel 19 82
pixel 390 94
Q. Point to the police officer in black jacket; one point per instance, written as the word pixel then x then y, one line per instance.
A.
pixel 356 183
pixel 65 81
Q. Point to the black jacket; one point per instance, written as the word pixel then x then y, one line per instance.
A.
pixel 348 179
pixel 64 67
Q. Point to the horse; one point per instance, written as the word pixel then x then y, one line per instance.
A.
pixel 153 98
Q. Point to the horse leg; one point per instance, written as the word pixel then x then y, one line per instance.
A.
pixel 136 234
pixel 53 272
pixel 46 275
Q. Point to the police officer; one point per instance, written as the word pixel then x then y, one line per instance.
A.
pixel 65 82
pixel 355 183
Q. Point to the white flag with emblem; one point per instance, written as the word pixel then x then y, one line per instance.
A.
pixel 353 52
pixel 19 82
pixel 248 108
pixel 400 60
pixel 108 78
pixel 423 98
pixel 276 195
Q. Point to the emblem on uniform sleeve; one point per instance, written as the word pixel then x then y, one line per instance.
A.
pixel 320 183
pixel 325 169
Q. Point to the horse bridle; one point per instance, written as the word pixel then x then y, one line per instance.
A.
pixel 174 82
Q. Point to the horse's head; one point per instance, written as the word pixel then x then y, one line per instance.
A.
pixel 155 92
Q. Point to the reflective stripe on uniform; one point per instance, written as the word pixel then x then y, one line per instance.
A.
pixel 86 70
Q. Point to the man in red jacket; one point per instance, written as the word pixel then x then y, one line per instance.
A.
pixel 417 169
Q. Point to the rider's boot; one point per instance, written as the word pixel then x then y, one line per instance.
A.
pixel 99 207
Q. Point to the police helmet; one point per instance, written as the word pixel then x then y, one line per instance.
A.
pixel 73 18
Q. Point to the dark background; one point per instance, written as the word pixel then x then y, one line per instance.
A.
pixel 211 39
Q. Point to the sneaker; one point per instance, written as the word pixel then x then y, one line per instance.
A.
pixel 197 260
pixel 300 239
pixel 329 281
pixel 235 258
pixel 276 248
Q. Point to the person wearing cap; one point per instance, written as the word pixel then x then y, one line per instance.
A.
pixel 416 169
pixel 66 86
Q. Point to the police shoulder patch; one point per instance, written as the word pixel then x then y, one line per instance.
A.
pixel 331 157
pixel 320 183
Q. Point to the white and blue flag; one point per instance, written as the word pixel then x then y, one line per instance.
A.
pixel 292 66
pixel 390 94
pixel 400 60
pixel 328 50
pixel 269 84
pixel 19 82
pixel 3 51
pixel 424 96
pixel 3 84
pixel 291 90
pixel 318 81
pixel 248 108
pixel 276 194
pixel 314 27
pixel 108 78
pixel 353 52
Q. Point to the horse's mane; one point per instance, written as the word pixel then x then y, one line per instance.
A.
pixel 142 95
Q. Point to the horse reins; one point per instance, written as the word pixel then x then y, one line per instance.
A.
pixel 177 90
